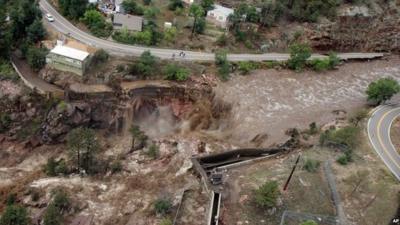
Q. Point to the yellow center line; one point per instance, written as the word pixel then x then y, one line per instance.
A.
pixel 380 138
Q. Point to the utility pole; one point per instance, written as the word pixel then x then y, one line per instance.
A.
pixel 291 174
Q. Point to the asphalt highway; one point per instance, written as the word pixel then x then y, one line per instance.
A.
pixel 64 26
pixel 379 126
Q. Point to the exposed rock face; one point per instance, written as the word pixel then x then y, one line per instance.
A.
pixel 359 33
pixel 61 119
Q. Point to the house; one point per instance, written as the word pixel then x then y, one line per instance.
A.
pixel 66 58
pixel 130 22
pixel 219 15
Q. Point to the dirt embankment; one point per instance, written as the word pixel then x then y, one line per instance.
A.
pixel 395 134
pixel 271 101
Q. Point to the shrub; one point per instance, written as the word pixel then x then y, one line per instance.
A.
pixel 145 66
pixel 11 199
pixel 320 64
pixel 333 60
pixel 50 167
pixel 299 54
pixel 221 60
pixel 14 215
pixel 153 151
pixel 125 36
pixel 312 129
pixel 166 221
pixel 382 90
pixel 116 166
pixel 222 40
pixel 162 206
pixel 175 4
pixel 7 72
pixel 36 57
pixel 5 121
pixel 131 7
pixel 246 66
pixel 309 222
pixel 175 72
pixel 346 137
pixel 267 195
pixel 311 165
pixel 61 200
pixel 100 56
pixel 358 117
pixel 52 216
pixel 343 159
pixel 170 34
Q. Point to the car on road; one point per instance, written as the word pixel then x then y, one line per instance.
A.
pixel 49 17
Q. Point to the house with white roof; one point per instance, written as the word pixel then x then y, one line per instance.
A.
pixel 219 15
pixel 66 58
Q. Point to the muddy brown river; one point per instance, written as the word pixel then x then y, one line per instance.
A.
pixel 271 101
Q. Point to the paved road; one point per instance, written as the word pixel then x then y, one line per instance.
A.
pixel 379 135
pixel 64 26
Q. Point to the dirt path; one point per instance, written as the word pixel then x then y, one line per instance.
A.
pixel 32 80
pixel 271 101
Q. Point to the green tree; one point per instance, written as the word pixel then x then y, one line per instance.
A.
pixel 207 5
pixel 267 195
pixel 221 60
pixel 153 151
pixel 175 4
pixel 100 56
pixel 73 9
pixel 36 57
pixel 132 7
pixel 36 31
pixel 96 23
pixel 14 215
pixel 309 11
pixel 5 35
pixel 5 121
pixel 82 144
pixel 170 34
pixel 50 167
pixel 270 12
pixel 52 216
pixel 197 12
pixel 23 13
pixel 176 72
pixel 145 66
pixel 382 90
pixel 151 12
pixel 299 54
pixel 138 138
pixel 54 211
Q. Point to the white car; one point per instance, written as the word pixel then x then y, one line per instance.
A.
pixel 49 17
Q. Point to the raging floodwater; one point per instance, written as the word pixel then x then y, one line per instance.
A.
pixel 271 101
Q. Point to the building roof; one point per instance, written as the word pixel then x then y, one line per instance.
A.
pixel 129 21
pixel 70 52
pixel 219 9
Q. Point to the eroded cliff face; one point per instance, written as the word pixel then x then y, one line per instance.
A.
pixel 379 32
